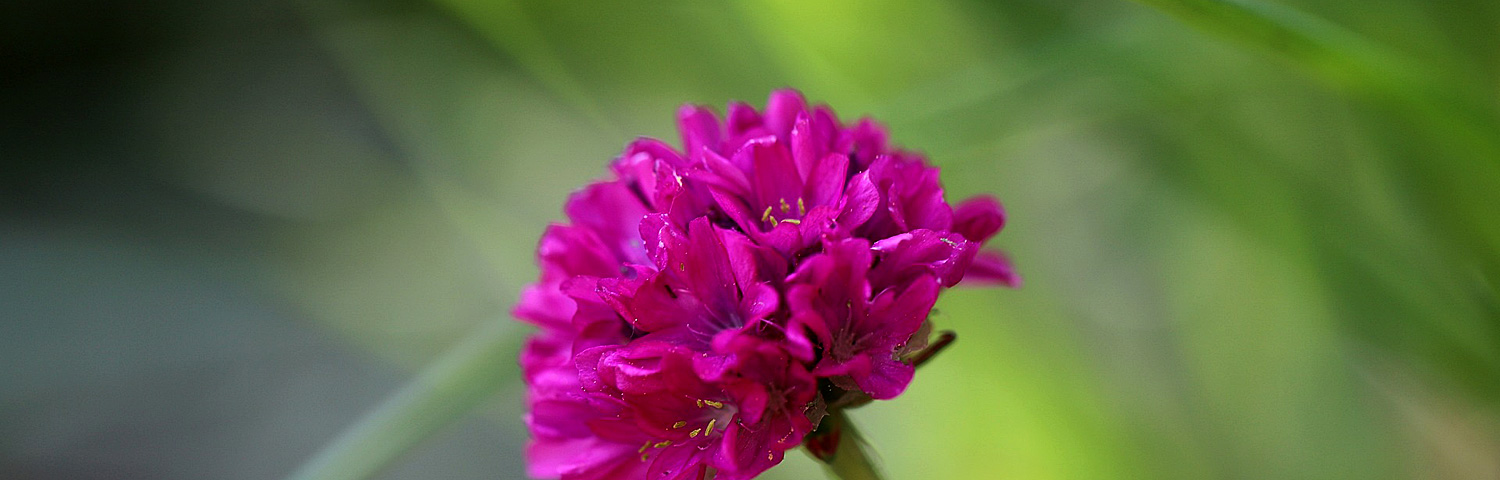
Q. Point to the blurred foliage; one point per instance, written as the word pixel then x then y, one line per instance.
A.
pixel 1247 256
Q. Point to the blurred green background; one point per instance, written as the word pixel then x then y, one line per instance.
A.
pixel 230 229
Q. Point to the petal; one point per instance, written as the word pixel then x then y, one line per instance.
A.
pixel 642 367
pixel 799 344
pixel 737 209
pixel 782 110
pixel 774 181
pixel 806 150
pixel 721 172
pixel 760 302
pixel 825 129
pixel 566 251
pixel 902 315
pixel 560 418
pixel 751 398
pixel 675 462
pixel 611 211
pixel 861 200
pixel 705 265
pixel 869 140
pixel 743 453
pixel 699 127
pixel 992 268
pixel 943 254
pixel 743 123
pixel 545 306
pixel 826 181
pixel 886 380
pixel 853 367
pixel 979 218
pixel 657 306
pixel 587 364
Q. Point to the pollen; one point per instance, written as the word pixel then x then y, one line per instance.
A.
pixel 784 207
pixel 663 443
pixel 695 432
pixel 679 424
pixel 801 207
pixel 710 426
pixel 766 215
pixel 714 404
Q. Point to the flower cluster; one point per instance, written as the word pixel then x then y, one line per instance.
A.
pixel 706 307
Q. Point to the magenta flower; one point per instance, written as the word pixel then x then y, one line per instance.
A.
pixel 705 308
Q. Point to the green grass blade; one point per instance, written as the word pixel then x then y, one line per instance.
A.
pixel 1324 47
pixel 507 26
pixel 1459 125
pixel 447 390
pixel 1348 60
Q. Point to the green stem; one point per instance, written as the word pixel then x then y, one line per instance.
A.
pixel 852 460
pixel 447 390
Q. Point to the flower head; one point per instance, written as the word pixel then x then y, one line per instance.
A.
pixel 705 307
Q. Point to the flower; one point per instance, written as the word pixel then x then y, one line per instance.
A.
pixel 705 308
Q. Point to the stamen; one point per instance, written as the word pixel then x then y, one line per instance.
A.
pixel 714 404
pixel 766 215
pixel 694 433
pixel 792 221
pixel 663 443
pixel 679 424
pixel 710 426
pixel 644 447
pixel 784 207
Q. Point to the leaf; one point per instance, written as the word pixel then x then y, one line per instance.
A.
pixel 440 395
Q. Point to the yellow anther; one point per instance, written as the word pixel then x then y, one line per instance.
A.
pixel 784 207
pixel 770 457
pixel 801 207
pixel 714 404
pixel 644 447
pixel 694 433
pixel 679 424
pixel 662 443
pixel 766 215
pixel 643 456
pixel 710 426
pixel 700 403
pixel 792 221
